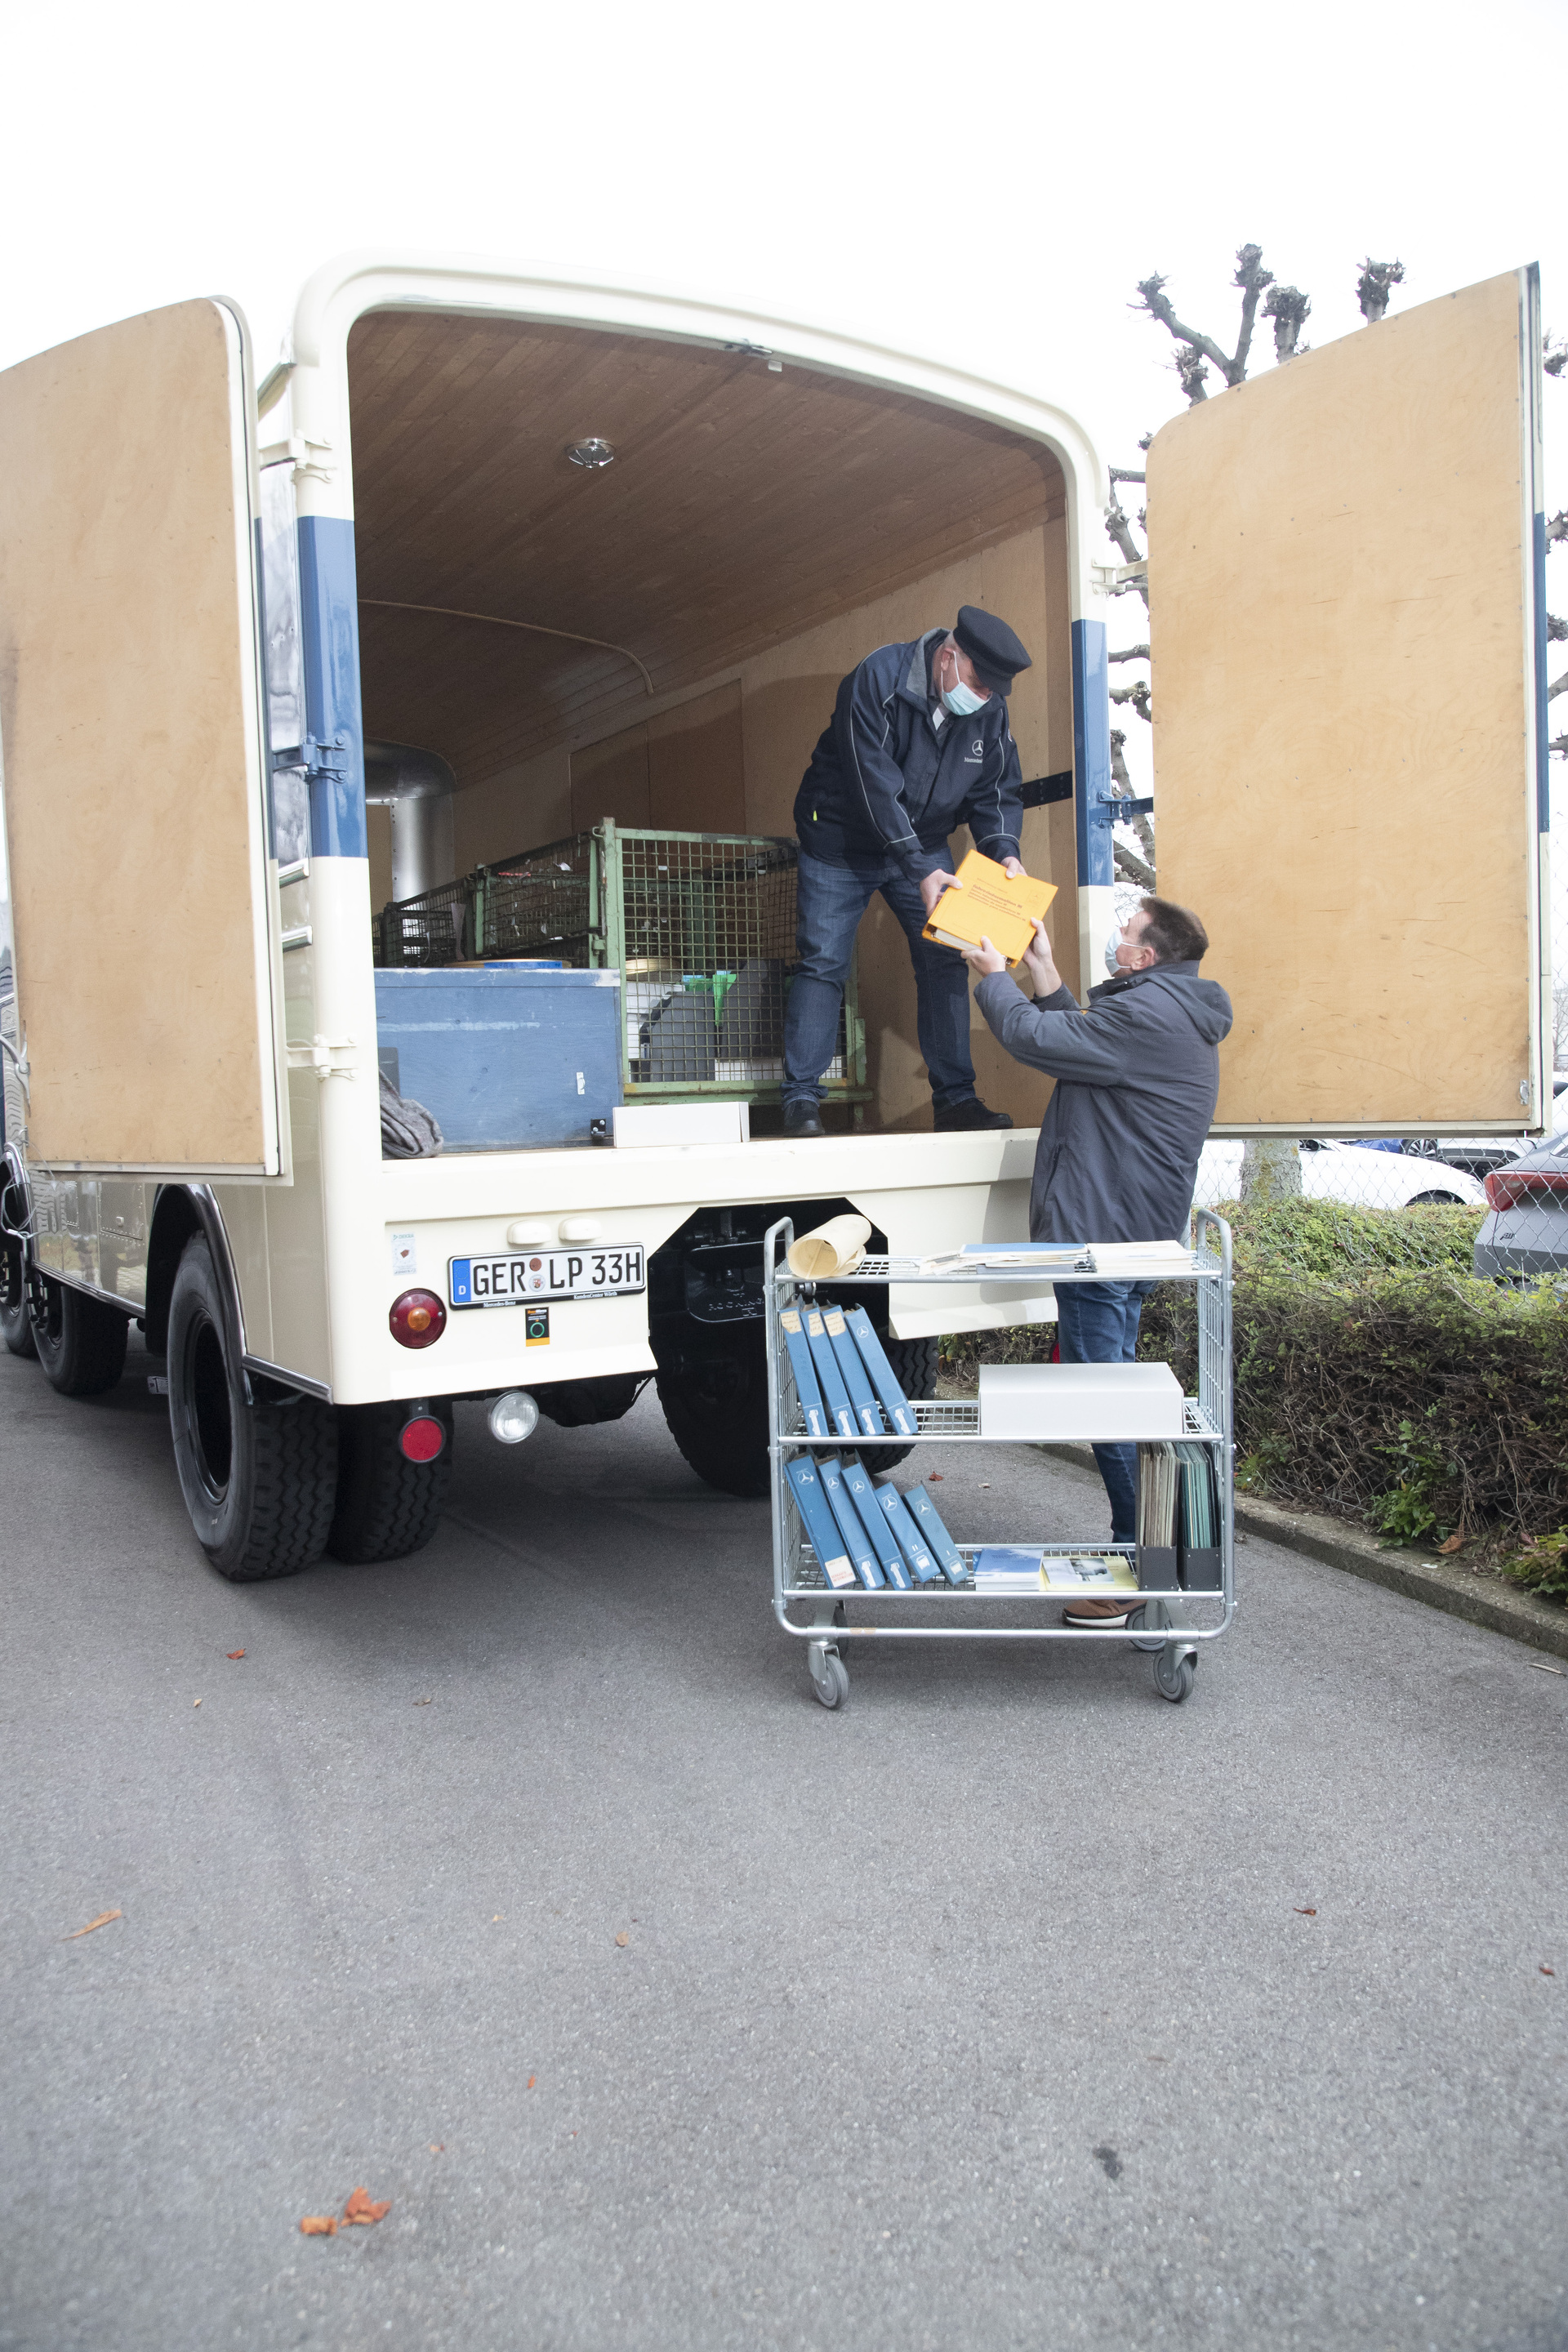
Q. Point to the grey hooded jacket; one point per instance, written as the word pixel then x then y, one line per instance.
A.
pixel 1137 1076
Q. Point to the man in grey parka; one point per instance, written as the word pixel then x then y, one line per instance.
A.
pixel 1137 1073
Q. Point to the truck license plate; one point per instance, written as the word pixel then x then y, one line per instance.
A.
pixel 523 1277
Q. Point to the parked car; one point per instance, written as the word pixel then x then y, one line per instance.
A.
pixel 1353 1172
pixel 1527 1231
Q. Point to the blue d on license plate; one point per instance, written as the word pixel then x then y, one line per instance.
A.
pixel 523 1277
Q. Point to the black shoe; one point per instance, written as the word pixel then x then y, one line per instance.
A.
pixel 965 1117
pixel 804 1118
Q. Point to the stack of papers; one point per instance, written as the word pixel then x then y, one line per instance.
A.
pixel 1159 1472
pixel 1200 1503
pixel 1017 1568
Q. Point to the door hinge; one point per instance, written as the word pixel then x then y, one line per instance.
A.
pixel 298 449
pixel 333 759
pixel 319 1056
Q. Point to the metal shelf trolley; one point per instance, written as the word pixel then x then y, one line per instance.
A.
pixel 1164 1618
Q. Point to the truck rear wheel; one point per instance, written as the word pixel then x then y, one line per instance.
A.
pixel 718 1416
pixel 16 1323
pixel 259 1478
pixel 386 1506
pixel 81 1342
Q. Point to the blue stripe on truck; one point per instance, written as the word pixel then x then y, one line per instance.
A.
pixel 329 599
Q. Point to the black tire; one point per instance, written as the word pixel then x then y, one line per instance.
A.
pixel 1436 1201
pixel 386 1506
pixel 16 1323
pixel 259 1479
pixel 915 1363
pixel 583 1404
pixel 81 1342
pixel 718 1416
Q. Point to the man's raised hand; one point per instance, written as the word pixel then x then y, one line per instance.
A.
pixel 985 959
pixel 1040 964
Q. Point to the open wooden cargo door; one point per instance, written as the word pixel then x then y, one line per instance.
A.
pixel 143 908
pixel 1348 629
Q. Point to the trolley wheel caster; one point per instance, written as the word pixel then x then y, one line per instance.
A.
pixel 1173 1672
pixel 1142 1621
pixel 829 1674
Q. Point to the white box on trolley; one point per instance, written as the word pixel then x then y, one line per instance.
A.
pixel 1110 1402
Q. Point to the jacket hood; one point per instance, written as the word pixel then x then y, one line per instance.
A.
pixel 1204 1001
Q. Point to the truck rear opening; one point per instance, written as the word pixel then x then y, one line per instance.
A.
pixel 606 575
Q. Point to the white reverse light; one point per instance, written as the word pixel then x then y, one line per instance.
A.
pixel 513 1417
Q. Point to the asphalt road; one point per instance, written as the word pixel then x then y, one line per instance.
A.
pixel 1011 2005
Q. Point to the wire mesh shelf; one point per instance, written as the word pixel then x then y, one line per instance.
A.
pixel 700 927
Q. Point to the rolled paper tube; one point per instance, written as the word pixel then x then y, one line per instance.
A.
pixel 835 1248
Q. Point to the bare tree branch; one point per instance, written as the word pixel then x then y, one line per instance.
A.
pixel 1121 789
pixel 1556 630
pixel 1376 283
pixel 1558 685
pixel 1158 306
pixel 1559 745
pixel 1133 868
pixel 1557 529
pixel 1252 279
pixel 1553 355
pixel 1119 527
pixel 1138 696
pixel 1191 369
pixel 1122 474
pixel 1141 653
pixel 1289 309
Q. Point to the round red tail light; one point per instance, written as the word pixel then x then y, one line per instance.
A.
pixel 422 1438
pixel 418 1319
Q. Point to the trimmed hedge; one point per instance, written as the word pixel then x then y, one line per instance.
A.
pixel 1376 1377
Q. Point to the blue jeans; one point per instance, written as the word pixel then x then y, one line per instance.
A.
pixel 830 903
pixel 1097 1323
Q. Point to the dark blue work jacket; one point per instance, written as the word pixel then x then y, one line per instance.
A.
pixel 885 783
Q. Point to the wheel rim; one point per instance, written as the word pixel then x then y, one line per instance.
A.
pixel 211 1426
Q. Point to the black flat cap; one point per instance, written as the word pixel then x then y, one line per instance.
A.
pixel 990 645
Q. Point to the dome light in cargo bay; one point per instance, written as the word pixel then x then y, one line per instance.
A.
pixel 592 454
pixel 417 1318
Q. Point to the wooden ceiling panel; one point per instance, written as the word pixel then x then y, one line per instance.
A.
pixel 742 507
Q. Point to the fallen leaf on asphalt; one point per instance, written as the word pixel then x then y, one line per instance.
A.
pixel 936 1477
pixel 623 1939
pixel 531 2079
pixel 1546 1972
pixel 195 1702
pixel 985 1485
pixel 1453 1544
pixel 494 1916
pixel 234 1653
pixel 422 1702
pixel 438 2148
pixel 102 1920
pixel 1310 1911
pixel 318 2225
pixel 360 2208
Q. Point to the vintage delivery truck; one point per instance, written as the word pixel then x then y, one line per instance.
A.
pixel 500 580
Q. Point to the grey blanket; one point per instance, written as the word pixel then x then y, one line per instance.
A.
pixel 409 1131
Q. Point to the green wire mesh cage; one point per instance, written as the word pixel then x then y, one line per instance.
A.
pixel 700 927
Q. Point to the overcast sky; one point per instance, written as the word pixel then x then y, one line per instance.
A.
pixel 986 185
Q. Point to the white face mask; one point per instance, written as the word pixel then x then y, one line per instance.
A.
pixel 1112 945
pixel 960 700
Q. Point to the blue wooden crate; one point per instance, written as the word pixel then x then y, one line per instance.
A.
pixel 506 1059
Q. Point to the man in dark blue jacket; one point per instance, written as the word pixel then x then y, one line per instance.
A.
pixel 918 744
